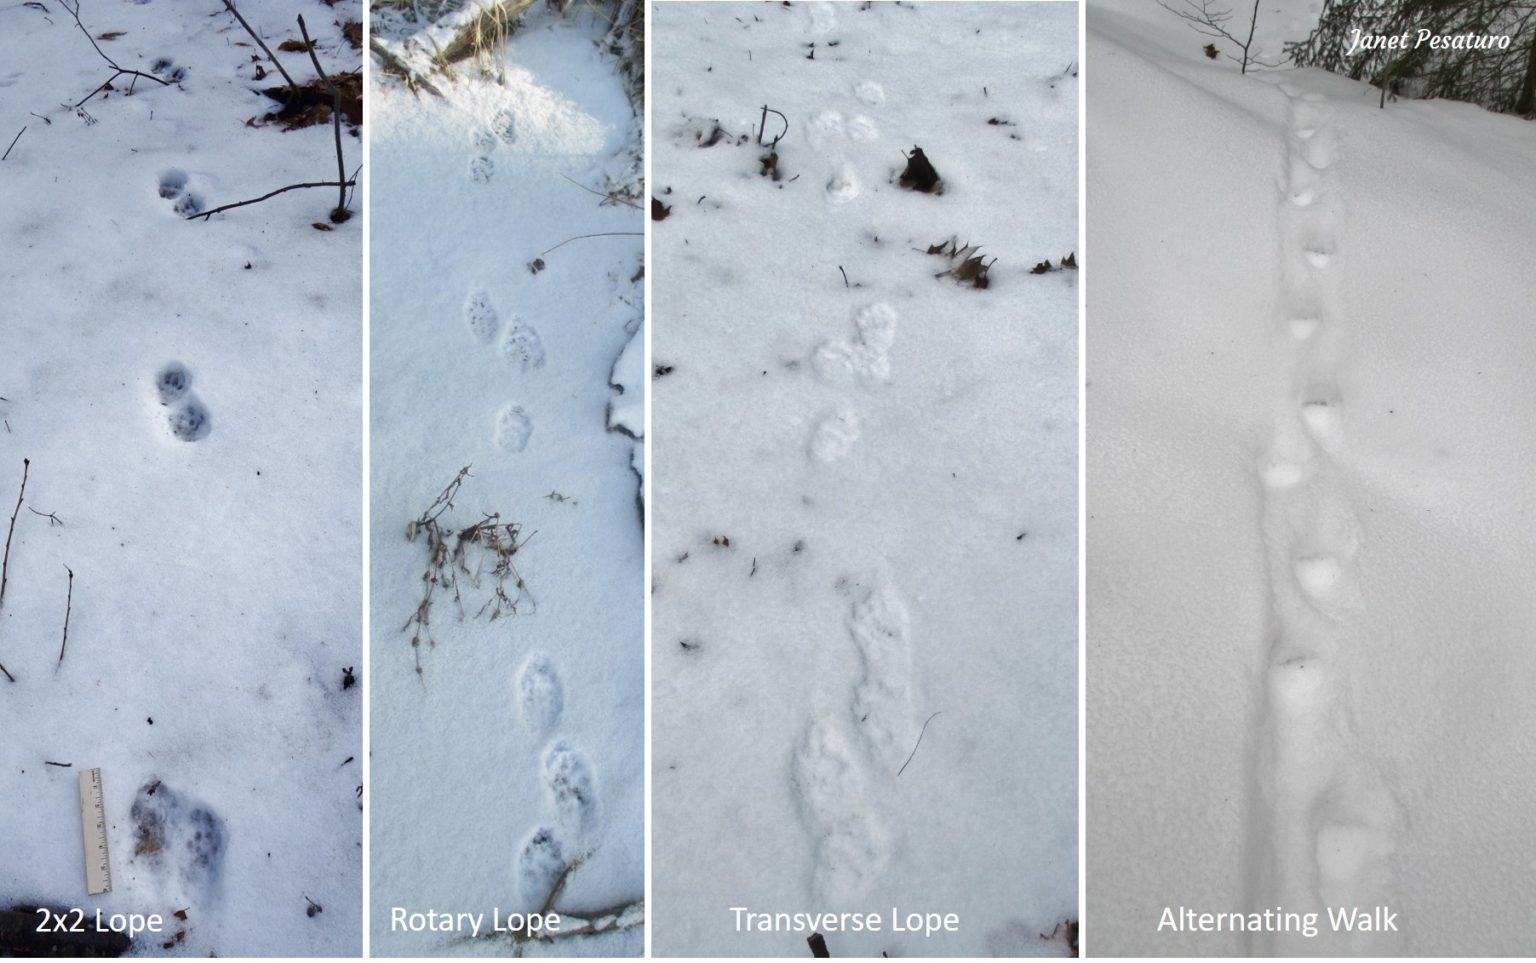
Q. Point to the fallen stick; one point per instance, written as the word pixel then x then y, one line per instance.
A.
pixel 69 601
pixel 258 200
pixel 5 566
pixel 13 143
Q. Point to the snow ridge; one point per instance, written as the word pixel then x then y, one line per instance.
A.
pixel 1327 817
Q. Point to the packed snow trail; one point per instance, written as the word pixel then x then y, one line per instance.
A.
pixel 1329 818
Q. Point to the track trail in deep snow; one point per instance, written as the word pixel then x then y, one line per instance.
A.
pixel 1327 819
pixel 851 750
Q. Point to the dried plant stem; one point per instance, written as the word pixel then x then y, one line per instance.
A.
pixel 5 566
pixel 69 600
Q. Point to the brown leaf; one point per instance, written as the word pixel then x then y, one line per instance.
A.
pixel 353 31
pixel 659 211
pixel 1042 268
pixel 110 35
pixel 320 227
pixel 1069 262
pixel 294 46
pixel 1211 51
pixel 920 174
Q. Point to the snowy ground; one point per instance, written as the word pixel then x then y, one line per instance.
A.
pixel 1310 406
pixel 517 751
pixel 188 395
pixel 865 486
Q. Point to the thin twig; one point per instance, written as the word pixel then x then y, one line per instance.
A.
pixel 7 673
pixel 340 214
pixel 615 197
pixel 53 519
pixel 262 43
pixel 61 765
pixel 258 200
pixel 13 143
pixel 603 234
pixel 919 742
pixel 5 566
pixel 845 276
pixel 69 601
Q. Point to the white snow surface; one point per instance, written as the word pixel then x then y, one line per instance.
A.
pixel 215 598
pixel 519 747
pixel 1310 397
pixel 864 491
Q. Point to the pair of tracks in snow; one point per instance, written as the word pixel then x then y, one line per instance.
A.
pixel 1327 820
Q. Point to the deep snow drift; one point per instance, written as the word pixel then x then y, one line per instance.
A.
pixel 1310 402
pixel 188 396
pixel 864 479
pixel 513 760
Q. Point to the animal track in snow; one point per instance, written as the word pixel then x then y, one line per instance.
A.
pixel 481 169
pixel 823 16
pixel 188 417
pixel 190 420
pixel 173 382
pixel 166 67
pixel 522 346
pixel 882 704
pixel 540 697
pixel 539 867
pixel 1324 422
pixel 483 140
pixel 1318 576
pixel 1304 328
pixel 504 125
pixel 481 316
pixel 568 779
pixel 870 93
pixel 843 186
pixel 188 203
pixel 866 356
pixel 179 842
pixel 852 846
pixel 835 436
pixel 1318 255
pixel 513 428
pixel 861 129
pixel 172 182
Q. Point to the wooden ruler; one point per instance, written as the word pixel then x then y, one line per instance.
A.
pixel 93 826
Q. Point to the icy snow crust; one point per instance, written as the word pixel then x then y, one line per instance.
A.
pixel 1309 514
pixel 519 748
pixel 865 493
pixel 188 394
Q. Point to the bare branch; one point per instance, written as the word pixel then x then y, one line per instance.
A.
pixel 13 143
pixel 107 84
pixel 340 213
pixel 258 200
pixel 68 604
pixel 5 566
